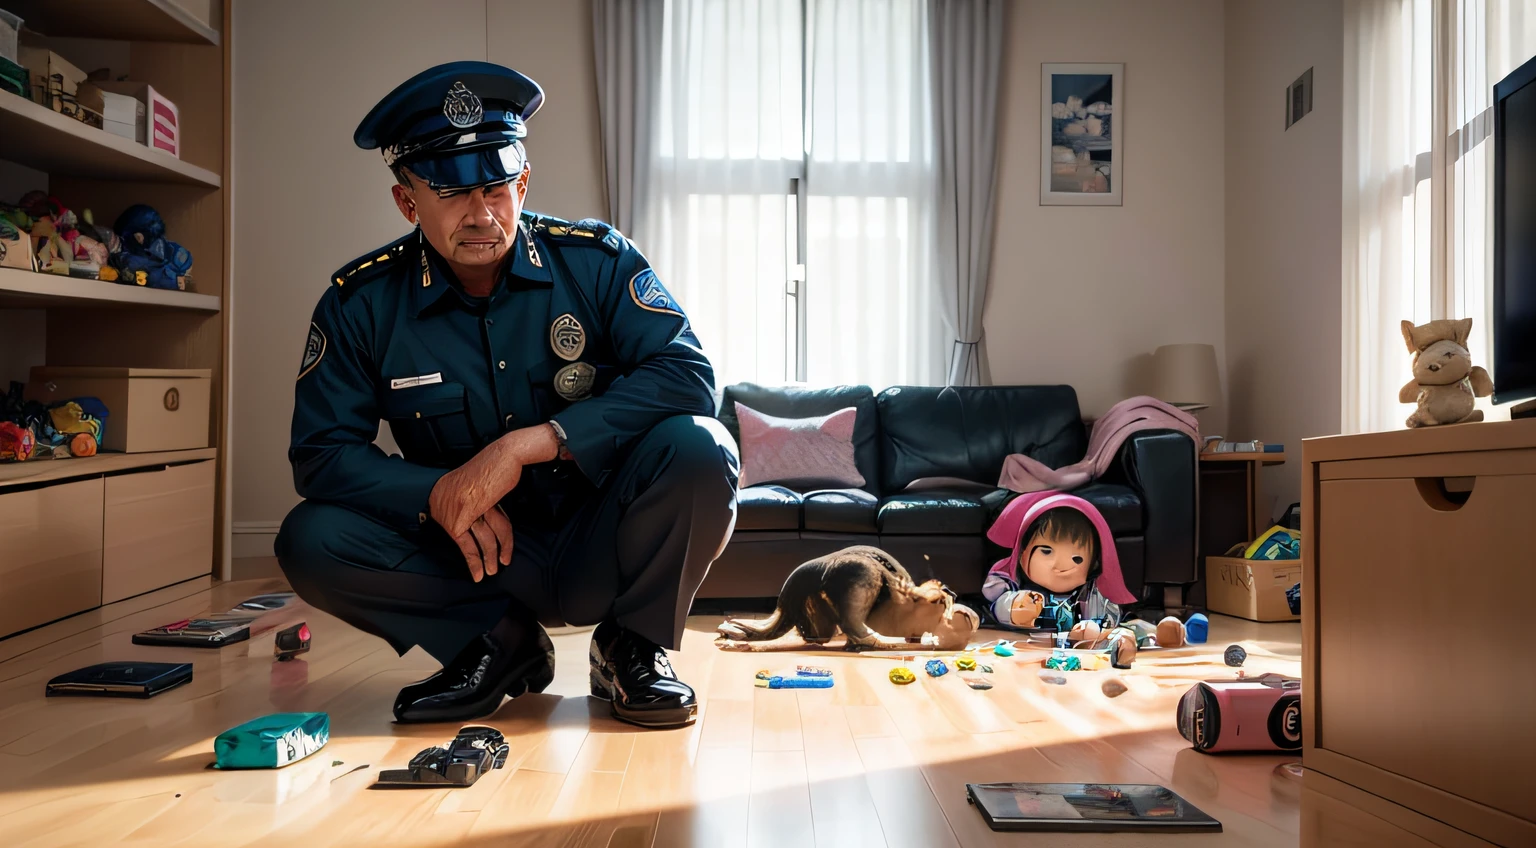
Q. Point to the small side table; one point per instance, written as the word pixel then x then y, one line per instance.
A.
pixel 1229 507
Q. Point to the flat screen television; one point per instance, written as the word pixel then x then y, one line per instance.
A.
pixel 1514 235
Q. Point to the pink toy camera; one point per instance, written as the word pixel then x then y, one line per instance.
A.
pixel 1259 714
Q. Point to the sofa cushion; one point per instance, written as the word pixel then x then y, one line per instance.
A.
pixel 840 511
pixel 940 512
pixel 966 431
pixel 767 508
pixel 800 402
pixel 1120 506
pixel 801 453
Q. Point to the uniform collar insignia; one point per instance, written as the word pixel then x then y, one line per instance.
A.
pixel 530 259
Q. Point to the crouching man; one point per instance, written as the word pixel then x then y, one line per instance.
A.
pixel 552 405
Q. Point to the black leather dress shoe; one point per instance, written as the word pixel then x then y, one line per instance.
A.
pixel 473 684
pixel 634 673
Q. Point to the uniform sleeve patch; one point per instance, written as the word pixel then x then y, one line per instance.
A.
pixel 649 294
pixel 314 349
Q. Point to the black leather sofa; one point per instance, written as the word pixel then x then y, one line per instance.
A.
pixel 908 435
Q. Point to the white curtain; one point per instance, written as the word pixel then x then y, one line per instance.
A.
pixel 762 110
pixel 627 36
pixel 1386 205
pixel 1490 39
pixel 873 314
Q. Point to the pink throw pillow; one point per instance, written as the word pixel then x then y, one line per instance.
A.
pixel 801 453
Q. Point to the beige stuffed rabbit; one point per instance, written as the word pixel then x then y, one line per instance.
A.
pixel 1445 383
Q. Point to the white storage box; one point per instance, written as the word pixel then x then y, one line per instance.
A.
pixel 10 25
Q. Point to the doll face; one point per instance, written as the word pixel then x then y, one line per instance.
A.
pixel 1058 565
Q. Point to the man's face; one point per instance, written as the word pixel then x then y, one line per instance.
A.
pixel 468 228
pixel 1057 565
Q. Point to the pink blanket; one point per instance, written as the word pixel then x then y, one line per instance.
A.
pixel 1023 474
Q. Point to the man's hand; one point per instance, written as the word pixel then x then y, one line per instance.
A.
pixel 468 494
pixel 488 544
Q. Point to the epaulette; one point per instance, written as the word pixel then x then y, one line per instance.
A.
pixel 373 264
pixel 588 232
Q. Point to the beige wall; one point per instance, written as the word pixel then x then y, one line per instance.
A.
pixel 1283 193
pixel 1082 295
pixel 307 200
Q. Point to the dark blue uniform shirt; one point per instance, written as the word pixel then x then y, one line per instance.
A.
pixel 394 338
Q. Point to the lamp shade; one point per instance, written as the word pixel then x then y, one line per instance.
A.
pixel 1185 375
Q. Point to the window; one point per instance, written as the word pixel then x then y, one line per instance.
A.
pixel 1418 172
pixel 791 200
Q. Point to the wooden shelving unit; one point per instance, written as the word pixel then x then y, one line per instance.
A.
pixel 13 475
pixel 76 529
pixel 121 20
pixel 41 138
pixel 30 290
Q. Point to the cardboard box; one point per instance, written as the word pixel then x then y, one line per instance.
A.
pixel 1251 588
pixel 162 121
pixel 55 81
pixel 148 409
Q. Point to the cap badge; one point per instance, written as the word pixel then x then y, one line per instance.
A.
pixel 567 337
pixel 462 107
pixel 574 381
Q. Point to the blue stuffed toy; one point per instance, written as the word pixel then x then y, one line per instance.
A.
pixel 148 258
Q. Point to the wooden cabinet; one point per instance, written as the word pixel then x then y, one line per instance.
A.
pixel 157 530
pixel 50 553
pixel 1418 575
pixel 79 533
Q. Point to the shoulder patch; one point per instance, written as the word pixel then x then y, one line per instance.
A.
pixel 372 265
pixel 314 350
pixel 649 294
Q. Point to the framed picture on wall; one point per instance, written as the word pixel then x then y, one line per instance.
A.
pixel 1082 130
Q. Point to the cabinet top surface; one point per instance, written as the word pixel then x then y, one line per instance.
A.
pixel 1450 438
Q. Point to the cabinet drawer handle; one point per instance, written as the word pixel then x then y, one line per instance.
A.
pixel 1446 494
pixel 172 399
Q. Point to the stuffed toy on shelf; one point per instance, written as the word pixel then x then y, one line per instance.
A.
pixel 1445 383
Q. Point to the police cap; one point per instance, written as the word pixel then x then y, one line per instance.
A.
pixel 456 126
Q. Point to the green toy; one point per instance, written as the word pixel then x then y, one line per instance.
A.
pixel 272 741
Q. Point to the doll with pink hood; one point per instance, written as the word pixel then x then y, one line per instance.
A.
pixel 1063 574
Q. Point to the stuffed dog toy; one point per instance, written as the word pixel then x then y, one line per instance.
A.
pixel 1445 383
pixel 863 592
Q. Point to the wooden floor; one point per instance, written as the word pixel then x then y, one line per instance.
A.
pixel 865 763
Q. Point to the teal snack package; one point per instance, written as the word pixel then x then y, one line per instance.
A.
pixel 272 741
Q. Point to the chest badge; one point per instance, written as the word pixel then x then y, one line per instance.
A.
pixel 574 381
pixel 567 337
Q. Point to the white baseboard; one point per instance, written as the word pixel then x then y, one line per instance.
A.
pixel 253 538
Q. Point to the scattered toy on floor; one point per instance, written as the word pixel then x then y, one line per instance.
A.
pixel 291 642
pixel 1234 655
pixel 1064 663
pixel 1113 687
pixel 1003 649
pixel 473 752
pixel 1197 628
pixel 793 681
pixel 271 741
pixel 976 681
pixel 1053 677
pixel 16 442
pixel 1258 714
pixel 936 668
pixel 984 669
pixel 859 589
pixel 812 671
pixel 1170 633
pixel 902 675
pixel 965 662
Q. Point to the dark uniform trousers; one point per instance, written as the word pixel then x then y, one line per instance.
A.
pixel 635 550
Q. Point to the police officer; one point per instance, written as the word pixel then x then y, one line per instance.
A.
pixel 552 405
